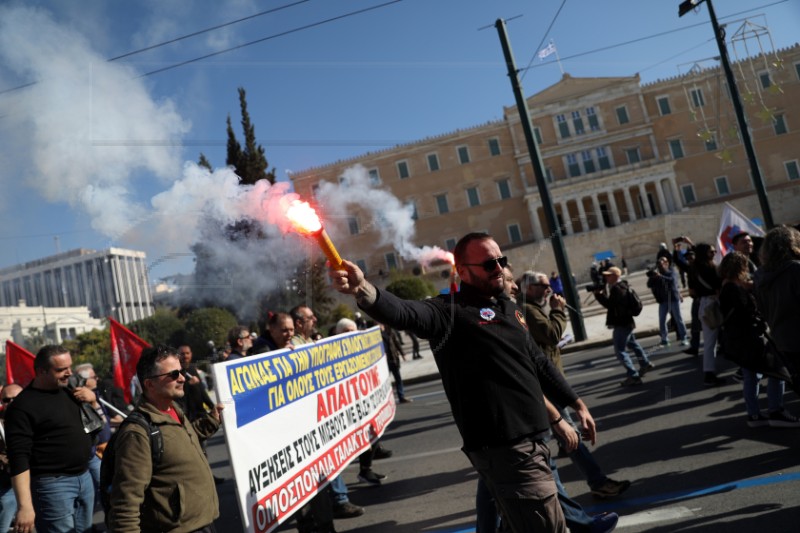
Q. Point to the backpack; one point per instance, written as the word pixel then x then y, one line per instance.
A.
pixel 107 465
pixel 633 302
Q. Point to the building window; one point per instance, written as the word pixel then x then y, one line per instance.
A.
pixel 343 181
pixel 722 185
pixel 792 170
pixel 314 190
pixel 711 143
pixel 463 155
pixel 548 174
pixel 676 148
pixel 697 97
pixel 362 265
pixel 391 260
pixel 563 127
pixel 504 189
pixel 663 105
pixel 594 122
pixel 779 124
pixel 412 204
pixel 472 197
pixel 797 70
pixel 374 176
pixel 441 204
pixel 402 170
pixel 433 162
pixel 514 233
pixel 602 158
pixel 588 162
pixel 537 134
pixel 688 194
pixel 494 146
pixel 633 155
pixel 622 115
pixel 573 168
pixel 577 123
pixel 449 244
pixel 352 224
pixel 765 79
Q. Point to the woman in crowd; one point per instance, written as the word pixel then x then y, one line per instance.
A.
pixel 708 285
pixel 742 331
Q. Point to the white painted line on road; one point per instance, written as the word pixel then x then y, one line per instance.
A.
pixel 656 515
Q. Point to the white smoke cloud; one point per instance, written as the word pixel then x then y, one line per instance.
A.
pixel 393 219
pixel 87 128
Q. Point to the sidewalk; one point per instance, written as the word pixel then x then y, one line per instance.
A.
pixel 597 334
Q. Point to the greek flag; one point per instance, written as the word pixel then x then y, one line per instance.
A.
pixel 547 50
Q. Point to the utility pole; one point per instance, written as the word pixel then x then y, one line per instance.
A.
pixel 744 130
pixel 570 292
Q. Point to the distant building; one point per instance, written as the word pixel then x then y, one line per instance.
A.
pixel 629 165
pixel 112 282
pixel 55 324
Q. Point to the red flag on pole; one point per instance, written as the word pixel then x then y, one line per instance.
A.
pixel 126 347
pixel 19 364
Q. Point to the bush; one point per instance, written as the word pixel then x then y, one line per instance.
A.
pixel 411 288
pixel 207 324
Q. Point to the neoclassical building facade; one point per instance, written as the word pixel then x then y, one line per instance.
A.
pixel 628 165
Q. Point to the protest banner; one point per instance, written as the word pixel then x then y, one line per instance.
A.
pixel 294 419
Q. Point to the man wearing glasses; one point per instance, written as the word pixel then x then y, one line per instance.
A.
pixel 49 448
pixel 494 375
pixel 177 493
pixel 240 340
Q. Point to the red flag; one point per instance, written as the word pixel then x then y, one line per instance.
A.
pixel 126 347
pixel 19 364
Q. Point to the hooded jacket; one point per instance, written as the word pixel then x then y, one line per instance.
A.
pixel 778 294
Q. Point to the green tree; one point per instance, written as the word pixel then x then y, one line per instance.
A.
pixel 250 163
pixel 34 340
pixel 92 347
pixel 208 324
pixel 411 288
pixel 163 327
pixel 204 162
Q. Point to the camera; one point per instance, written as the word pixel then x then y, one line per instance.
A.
pixel 75 381
pixel 650 272
pixel 595 287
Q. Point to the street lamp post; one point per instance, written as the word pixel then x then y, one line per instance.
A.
pixel 719 34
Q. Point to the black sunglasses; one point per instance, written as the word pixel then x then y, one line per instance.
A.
pixel 172 375
pixel 490 264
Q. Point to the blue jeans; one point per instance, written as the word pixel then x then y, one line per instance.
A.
pixel 750 386
pixel 624 338
pixel 339 490
pixel 8 508
pixel 63 504
pixel 583 459
pixel 673 306
pixel 709 338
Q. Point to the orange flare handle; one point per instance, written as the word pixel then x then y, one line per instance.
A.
pixel 328 248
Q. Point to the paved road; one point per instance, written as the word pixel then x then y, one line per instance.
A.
pixel 694 463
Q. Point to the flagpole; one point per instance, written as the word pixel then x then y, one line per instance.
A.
pixel 555 49
pixel 120 413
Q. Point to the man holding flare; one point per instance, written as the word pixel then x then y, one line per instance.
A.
pixel 494 375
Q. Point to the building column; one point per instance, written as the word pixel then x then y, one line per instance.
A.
pixel 568 229
pixel 645 204
pixel 629 204
pixel 536 226
pixel 582 215
pixel 662 202
pixel 601 224
pixel 675 193
pixel 612 205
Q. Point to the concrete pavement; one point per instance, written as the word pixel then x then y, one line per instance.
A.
pixel 597 334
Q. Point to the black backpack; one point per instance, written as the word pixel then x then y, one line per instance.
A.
pixel 633 302
pixel 107 465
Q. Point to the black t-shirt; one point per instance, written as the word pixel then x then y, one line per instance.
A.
pixel 45 434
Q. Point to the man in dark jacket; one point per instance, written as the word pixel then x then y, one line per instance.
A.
pixel 620 319
pixel 178 493
pixel 663 282
pixel 49 448
pixel 494 377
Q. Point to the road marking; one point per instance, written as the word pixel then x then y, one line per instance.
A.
pixel 656 515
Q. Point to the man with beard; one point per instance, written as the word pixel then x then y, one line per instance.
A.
pixel 494 377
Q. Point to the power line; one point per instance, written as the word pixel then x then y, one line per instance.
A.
pixel 544 37
pixel 212 28
pixel 274 36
